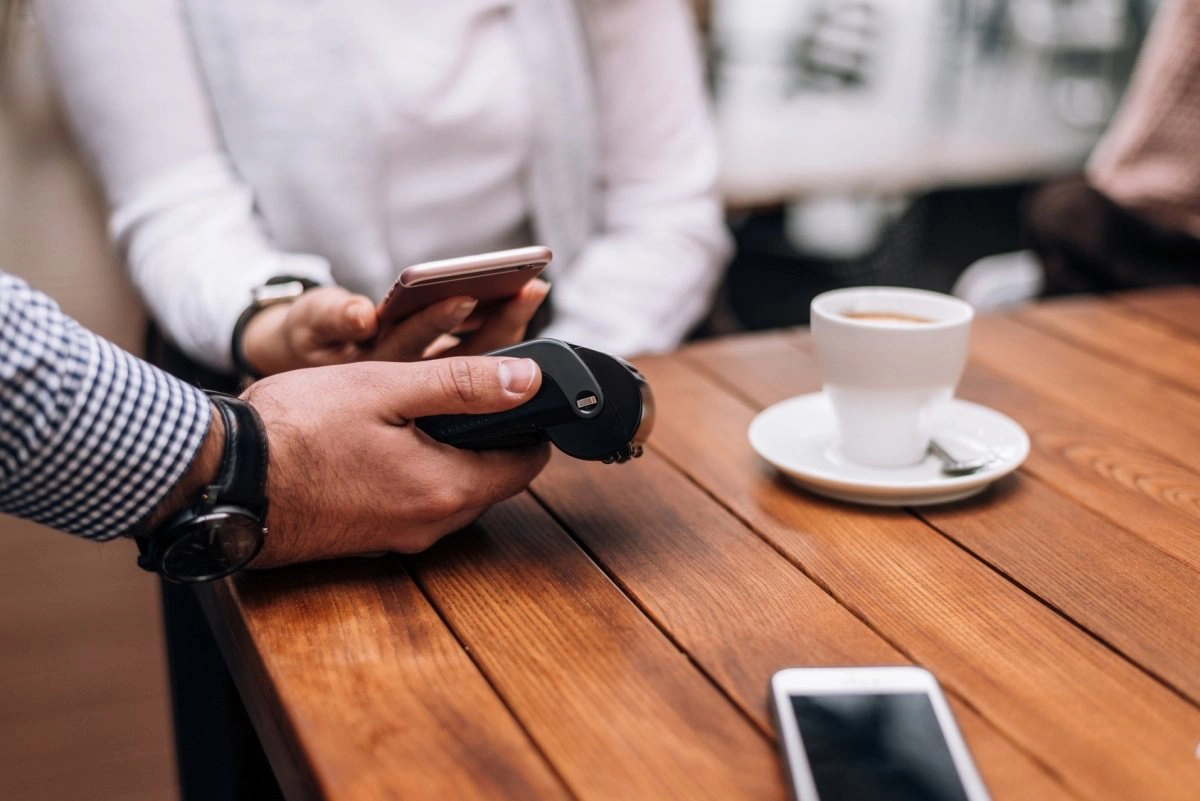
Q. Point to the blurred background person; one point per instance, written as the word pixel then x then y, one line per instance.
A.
pixel 898 141
pixel 1133 219
pixel 338 143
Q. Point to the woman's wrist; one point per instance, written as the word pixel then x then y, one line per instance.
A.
pixel 264 342
pixel 259 353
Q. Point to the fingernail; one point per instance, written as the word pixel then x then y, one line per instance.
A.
pixel 358 319
pixel 463 310
pixel 533 298
pixel 516 375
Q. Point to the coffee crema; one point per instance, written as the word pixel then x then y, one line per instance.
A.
pixel 885 317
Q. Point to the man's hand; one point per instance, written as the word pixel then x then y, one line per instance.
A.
pixel 329 325
pixel 350 474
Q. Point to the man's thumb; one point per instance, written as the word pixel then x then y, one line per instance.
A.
pixel 470 385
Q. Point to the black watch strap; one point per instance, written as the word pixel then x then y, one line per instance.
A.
pixel 237 346
pixel 224 529
pixel 242 480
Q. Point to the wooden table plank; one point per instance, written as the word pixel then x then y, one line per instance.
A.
pixel 1107 470
pixel 359 691
pixel 616 707
pixel 1118 332
pixel 1174 305
pixel 1109 729
pixel 1132 595
pixel 1167 417
pixel 731 602
pixel 761 368
pixel 1142 602
pixel 728 599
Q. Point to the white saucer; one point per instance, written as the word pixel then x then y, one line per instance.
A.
pixel 798 437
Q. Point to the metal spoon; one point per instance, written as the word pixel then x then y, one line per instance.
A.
pixel 958 459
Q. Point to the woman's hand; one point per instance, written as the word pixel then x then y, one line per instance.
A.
pixel 330 325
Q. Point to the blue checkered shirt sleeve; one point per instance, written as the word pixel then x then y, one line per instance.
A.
pixel 91 438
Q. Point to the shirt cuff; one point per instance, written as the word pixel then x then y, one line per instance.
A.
pixel 107 435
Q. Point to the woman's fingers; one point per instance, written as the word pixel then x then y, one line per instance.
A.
pixel 321 327
pixel 409 339
pixel 506 325
pixel 440 346
pixel 331 317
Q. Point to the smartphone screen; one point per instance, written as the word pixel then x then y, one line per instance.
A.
pixel 876 746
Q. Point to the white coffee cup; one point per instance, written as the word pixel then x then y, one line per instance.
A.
pixel 891 360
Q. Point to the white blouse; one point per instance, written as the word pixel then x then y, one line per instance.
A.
pixel 458 125
pixel 352 139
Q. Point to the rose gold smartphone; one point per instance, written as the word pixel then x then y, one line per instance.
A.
pixel 488 277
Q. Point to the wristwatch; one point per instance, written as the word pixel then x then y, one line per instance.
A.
pixel 281 289
pixel 225 529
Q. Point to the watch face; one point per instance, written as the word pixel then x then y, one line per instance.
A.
pixel 213 545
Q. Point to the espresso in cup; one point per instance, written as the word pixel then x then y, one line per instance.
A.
pixel 891 360
pixel 885 317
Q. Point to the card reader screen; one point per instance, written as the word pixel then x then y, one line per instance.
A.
pixel 864 747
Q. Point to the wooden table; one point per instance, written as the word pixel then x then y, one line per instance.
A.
pixel 610 634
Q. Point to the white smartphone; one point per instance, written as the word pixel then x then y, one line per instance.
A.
pixel 860 733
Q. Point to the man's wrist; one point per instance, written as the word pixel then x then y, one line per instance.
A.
pixel 201 473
